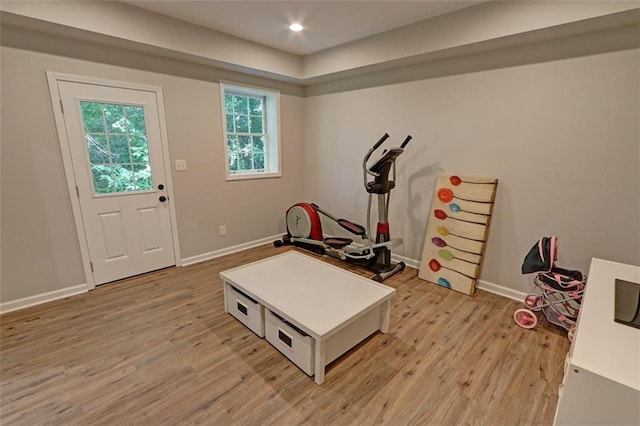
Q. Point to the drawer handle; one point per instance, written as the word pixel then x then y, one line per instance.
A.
pixel 242 308
pixel 285 338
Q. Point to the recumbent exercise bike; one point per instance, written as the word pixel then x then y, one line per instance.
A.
pixel 304 228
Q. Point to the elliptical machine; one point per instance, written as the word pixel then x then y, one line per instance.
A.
pixel 304 228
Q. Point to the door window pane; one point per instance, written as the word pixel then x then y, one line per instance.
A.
pixel 142 176
pixel 98 149
pixel 120 151
pixel 117 145
pixel 103 178
pixel 135 119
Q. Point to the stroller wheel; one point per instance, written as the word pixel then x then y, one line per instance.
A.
pixel 525 318
pixel 533 302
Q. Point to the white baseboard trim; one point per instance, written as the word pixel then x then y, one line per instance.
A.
pixel 412 263
pixel 37 299
pixel 481 284
pixel 229 250
pixel 26 302
pixel 509 293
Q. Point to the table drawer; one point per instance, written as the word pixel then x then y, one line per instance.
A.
pixel 246 310
pixel 290 341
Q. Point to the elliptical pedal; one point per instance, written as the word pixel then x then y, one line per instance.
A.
pixel 354 228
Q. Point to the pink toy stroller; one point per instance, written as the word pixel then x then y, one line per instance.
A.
pixel 560 289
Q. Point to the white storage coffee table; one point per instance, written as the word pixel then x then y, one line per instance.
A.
pixel 309 310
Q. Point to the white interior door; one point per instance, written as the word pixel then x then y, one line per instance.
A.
pixel 115 146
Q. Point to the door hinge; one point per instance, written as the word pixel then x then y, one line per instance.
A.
pixel 77 191
pixel 91 264
pixel 61 106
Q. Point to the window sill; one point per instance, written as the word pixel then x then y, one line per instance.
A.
pixel 253 176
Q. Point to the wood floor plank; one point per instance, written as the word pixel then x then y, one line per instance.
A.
pixel 159 349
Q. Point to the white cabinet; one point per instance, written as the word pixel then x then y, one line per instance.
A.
pixel 601 384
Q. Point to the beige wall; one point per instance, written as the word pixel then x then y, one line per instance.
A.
pixel 40 251
pixel 562 136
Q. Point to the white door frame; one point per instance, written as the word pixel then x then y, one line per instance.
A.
pixel 53 78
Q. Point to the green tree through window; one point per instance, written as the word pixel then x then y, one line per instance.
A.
pixel 116 141
pixel 245 132
pixel 251 131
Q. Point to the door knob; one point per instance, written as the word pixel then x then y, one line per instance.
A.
pixel 162 198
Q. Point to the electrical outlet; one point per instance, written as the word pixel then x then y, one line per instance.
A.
pixel 223 230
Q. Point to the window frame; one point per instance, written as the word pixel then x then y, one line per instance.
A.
pixel 271 129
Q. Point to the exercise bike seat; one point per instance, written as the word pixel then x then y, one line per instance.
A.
pixel 337 242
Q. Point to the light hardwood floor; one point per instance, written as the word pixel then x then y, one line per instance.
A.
pixel 159 349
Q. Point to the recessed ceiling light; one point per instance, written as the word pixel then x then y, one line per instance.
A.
pixel 296 27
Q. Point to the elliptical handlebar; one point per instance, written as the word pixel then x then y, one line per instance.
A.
pixel 380 141
pixel 366 157
pixel 366 170
pixel 406 141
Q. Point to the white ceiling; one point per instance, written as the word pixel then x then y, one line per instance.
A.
pixel 327 23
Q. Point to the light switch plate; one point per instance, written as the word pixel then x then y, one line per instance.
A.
pixel 181 164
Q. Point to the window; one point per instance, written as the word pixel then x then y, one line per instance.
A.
pixel 251 132
pixel 117 146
